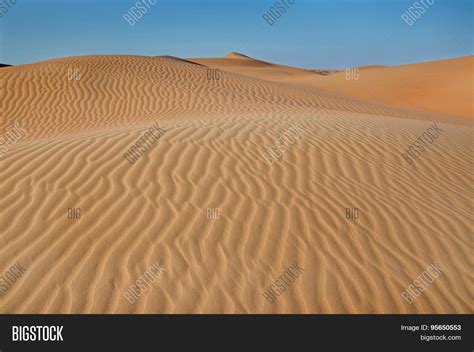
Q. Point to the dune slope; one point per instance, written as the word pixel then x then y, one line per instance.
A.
pixel 444 87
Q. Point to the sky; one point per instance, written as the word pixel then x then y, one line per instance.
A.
pixel 310 34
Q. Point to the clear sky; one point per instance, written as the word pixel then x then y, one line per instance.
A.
pixel 312 33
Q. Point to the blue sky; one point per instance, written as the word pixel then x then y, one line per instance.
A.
pixel 312 33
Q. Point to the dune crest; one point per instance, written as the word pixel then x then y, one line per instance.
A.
pixel 234 55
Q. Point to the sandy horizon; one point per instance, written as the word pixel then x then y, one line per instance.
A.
pixel 209 179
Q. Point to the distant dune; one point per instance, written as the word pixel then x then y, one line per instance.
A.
pixel 444 86
pixel 82 114
pixel 234 55
pixel 370 67
pixel 245 65
pixel 4 65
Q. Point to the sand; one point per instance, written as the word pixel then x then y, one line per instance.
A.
pixel 444 87
pixel 210 156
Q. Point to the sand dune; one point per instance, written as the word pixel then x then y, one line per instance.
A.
pixel 370 67
pixel 82 114
pixel 441 86
pixel 245 65
pixel 444 87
